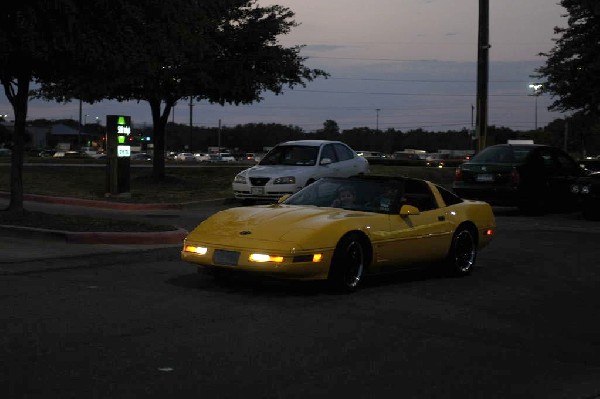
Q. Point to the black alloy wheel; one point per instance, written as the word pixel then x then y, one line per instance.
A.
pixel 463 252
pixel 348 264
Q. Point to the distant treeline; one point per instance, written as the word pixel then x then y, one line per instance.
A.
pixel 582 138
pixel 257 137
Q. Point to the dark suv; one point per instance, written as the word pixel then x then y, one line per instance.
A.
pixel 531 176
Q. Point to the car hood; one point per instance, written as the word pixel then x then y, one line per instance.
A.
pixel 276 223
pixel 274 170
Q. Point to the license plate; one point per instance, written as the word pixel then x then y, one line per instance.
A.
pixel 229 258
pixel 257 190
pixel 485 177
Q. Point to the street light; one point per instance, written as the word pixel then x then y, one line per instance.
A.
pixel 537 90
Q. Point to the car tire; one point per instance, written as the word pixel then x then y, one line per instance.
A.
pixel 348 264
pixel 463 252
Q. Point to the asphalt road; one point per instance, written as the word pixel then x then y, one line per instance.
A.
pixel 524 324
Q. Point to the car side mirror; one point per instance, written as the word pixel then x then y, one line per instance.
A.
pixel 407 210
pixel 325 161
pixel 282 199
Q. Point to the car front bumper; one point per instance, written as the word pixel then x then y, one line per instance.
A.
pixel 295 266
pixel 270 192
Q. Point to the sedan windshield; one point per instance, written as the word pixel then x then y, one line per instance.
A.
pixel 291 155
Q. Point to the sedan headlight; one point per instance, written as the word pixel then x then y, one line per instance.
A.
pixel 285 180
pixel 240 179
pixel 575 189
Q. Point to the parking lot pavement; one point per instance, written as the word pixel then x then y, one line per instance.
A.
pixel 26 255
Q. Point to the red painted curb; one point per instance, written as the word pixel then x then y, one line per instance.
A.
pixel 126 238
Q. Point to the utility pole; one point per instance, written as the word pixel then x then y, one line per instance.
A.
pixel 377 122
pixel 79 130
pixel 191 128
pixel 566 134
pixel 219 137
pixel 483 47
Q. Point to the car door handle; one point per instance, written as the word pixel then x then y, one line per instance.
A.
pixel 441 218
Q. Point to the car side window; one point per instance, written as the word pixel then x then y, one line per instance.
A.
pixel 343 153
pixel 448 197
pixel 329 152
pixel 417 193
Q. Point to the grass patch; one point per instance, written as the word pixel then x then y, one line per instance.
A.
pixel 77 223
pixel 181 185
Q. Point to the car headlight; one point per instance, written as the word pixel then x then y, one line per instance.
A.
pixel 285 180
pixel 575 189
pixel 585 189
pixel 240 179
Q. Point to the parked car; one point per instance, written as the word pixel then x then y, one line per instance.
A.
pixel 292 165
pixel 202 157
pixel 396 223
pixel 5 152
pixel 370 154
pixel 185 157
pixel 587 190
pixel 533 177
pixel 46 153
pixel 140 156
pixel 221 157
pixel 251 157
pixel 226 157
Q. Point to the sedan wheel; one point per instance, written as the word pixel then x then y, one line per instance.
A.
pixel 348 264
pixel 463 252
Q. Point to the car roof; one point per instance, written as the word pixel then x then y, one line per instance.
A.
pixel 312 143
pixel 520 145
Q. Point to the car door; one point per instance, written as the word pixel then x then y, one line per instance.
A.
pixel 419 238
pixel 348 163
pixel 331 169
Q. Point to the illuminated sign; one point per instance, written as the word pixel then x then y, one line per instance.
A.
pixel 123 150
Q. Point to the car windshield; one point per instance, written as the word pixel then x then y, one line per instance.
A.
pixel 381 195
pixel 300 155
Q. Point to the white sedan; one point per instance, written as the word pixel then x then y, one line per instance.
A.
pixel 292 165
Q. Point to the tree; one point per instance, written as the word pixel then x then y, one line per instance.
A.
pixel 36 43
pixel 572 68
pixel 330 131
pixel 221 51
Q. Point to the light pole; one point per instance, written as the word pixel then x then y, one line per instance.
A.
pixel 79 129
pixel 537 90
pixel 377 119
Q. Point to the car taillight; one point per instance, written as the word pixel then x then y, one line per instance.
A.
pixel 515 177
pixel 458 175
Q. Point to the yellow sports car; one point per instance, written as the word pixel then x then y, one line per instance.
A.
pixel 341 229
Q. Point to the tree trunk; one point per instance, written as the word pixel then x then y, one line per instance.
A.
pixel 159 121
pixel 19 102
